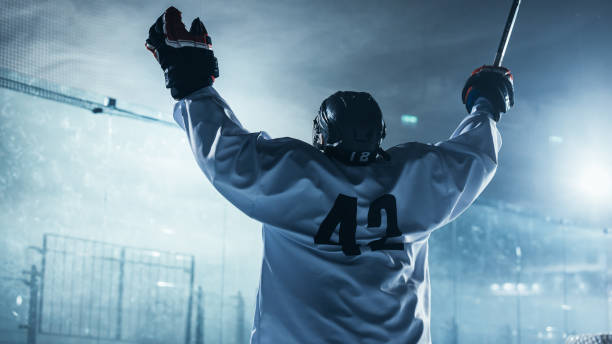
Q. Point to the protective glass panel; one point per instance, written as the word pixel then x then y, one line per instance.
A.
pixel 123 183
pixel 111 232
pixel 501 276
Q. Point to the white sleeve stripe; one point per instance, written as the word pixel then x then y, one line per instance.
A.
pixel 182 43
pixel 187 43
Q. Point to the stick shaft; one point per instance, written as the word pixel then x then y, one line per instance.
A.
pixel 503 44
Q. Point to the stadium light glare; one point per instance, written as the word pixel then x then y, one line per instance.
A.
pixel 594 182
pixel 168 231
pixel 164 284
pixel 409 120
pixel 554 139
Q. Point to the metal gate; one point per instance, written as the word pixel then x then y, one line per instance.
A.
pixel 97 290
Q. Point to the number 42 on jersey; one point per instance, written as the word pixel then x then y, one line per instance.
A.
pixel 344 213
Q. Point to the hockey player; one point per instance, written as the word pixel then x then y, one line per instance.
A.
pixel 335 270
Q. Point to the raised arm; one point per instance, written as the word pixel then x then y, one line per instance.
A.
pixel 469 157
pixel 446 178
pixel 261 176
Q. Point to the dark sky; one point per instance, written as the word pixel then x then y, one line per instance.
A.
pixel 279 59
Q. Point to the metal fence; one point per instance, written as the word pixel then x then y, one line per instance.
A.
pixel 95 103
pixel 97 290
pixel 222 319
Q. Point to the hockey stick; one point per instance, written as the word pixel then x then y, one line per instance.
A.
pixel 503 44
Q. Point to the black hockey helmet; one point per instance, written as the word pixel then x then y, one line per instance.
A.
pixel 350 127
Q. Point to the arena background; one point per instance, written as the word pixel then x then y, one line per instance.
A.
pixel 98 188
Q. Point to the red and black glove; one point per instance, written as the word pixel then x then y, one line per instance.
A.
pixel 496 84
pixel 186 57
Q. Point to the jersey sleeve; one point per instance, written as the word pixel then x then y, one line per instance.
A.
pixel 447 177
pixel 470 157
pixel 263 177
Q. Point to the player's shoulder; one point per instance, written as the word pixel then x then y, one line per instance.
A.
pixel 412 151
pixel 292 150
pixel 286 144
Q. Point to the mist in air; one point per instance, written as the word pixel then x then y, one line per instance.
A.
pixel 136 245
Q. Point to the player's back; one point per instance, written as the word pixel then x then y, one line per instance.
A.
pixel 345 247
pixel 354 269
pixel 353 266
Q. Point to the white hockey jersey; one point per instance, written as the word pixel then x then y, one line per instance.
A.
pixel 345 247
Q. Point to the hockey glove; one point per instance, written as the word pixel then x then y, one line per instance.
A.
pixel 493 83
pixel 186 57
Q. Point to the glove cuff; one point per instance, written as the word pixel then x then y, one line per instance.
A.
pixel 187 77
pixel 183 91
